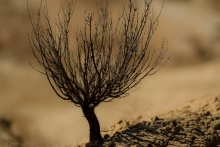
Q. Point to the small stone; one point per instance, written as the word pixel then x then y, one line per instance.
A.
pixel 155 119
pixel 139 118
pixel 120 121
pixel 106 136
pixel 192 140
pixel 177 129
pixel 216 99
pixel 207 113
pixel 218 108
pixel 117 139
pixel 210 131
pixel 174 123
pixel 215 125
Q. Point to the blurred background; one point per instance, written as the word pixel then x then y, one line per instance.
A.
pixel 30 112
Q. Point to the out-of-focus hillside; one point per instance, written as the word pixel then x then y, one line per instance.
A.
pixel 192 28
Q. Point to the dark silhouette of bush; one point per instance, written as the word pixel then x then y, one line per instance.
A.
pixel 110 58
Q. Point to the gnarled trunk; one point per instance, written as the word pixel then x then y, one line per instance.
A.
pixel 89 112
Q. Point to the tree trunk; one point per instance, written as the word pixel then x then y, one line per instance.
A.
pixel 89 112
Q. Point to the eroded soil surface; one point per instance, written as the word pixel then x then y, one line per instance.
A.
pixel 194 125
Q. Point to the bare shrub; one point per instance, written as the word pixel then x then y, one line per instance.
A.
pixel 109 59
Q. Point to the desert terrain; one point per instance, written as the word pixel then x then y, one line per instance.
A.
pixel 32 114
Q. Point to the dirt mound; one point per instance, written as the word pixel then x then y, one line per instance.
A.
pixel 194 125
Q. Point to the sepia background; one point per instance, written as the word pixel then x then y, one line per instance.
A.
pixel 41 118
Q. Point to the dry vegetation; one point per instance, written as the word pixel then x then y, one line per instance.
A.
pixel 42 119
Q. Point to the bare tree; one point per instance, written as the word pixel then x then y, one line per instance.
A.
pixel 108 60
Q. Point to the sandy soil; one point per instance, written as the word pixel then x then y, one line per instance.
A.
pixel 39 118
pixel 197 124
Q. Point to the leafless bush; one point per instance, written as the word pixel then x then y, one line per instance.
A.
pixel 110 58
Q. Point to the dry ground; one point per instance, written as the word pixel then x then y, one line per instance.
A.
pixel 197 124
pixel 42 119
